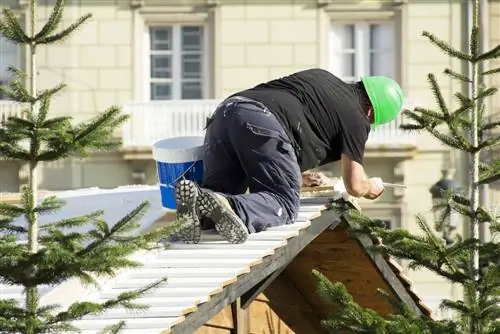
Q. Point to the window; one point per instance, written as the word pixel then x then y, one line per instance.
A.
pixel 177 62
pixel 362 49
pixel 9 56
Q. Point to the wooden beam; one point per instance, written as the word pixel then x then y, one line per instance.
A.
pixel 245 282
pixel 241 318
pixel 251 294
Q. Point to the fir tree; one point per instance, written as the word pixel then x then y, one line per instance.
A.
pixel 57 252
pixel 464 260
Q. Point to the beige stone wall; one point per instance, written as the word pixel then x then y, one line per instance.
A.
pixel 95 62
pixel 262 42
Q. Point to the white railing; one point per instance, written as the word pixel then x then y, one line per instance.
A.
pixel 152 121
pixel 9 109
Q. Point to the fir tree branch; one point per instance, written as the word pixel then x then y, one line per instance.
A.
pixel 486 93
pixel 80 309
pixel 11 29
pixel 439 97
pixel 490 143
pixel 49 205
pixel 114 329
pixel 11 210
pixel 446 48
pixel 458 143
pixel 63 34
pixel 17 92
pixel 75 221
pixel 457 75
pixel 492 54
pixel 492 71
pixel 490 126
pixel 130 218
pixel 54 20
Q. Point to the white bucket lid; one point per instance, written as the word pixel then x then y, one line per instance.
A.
pixel 179 149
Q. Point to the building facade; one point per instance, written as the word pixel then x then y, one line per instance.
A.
pixel 168 63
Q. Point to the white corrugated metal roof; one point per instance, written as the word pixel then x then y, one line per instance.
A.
pixel 194 271
pixel 116 203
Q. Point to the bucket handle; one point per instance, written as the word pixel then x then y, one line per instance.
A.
pixel 181 177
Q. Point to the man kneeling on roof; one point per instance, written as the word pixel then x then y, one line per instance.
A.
pixel 263 138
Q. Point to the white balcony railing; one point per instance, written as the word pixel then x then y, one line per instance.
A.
pixel 152 121
pixel 9 109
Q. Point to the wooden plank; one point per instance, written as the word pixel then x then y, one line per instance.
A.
pixel 244 283
pixel 241 318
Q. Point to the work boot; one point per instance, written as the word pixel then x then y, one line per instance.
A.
pixel 186 195
pixel 227 223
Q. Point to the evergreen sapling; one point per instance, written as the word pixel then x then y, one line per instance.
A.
pixel 463 260
pixel 35 255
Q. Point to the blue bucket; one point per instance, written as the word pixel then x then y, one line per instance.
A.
pixel 176 159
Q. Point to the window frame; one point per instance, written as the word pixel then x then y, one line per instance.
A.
pixel 362 50
pixel 176 54
pixel 145 16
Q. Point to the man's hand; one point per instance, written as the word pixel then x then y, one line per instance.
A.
pixel 376 188
pixel 314 179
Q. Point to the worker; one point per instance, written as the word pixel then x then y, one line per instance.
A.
pixel 259 141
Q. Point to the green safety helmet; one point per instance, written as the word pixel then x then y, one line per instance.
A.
pixel 385 96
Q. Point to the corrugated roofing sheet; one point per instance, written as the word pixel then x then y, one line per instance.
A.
pixel 116 203
pixel 194 271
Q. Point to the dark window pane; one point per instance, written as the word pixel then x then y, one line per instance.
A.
pixel 192 38
pixel 160 38
pixel 191 66
pixel 161 91
pixel 191 91
pixel 161 66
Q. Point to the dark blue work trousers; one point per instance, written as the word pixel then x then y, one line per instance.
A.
pixel 247 148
